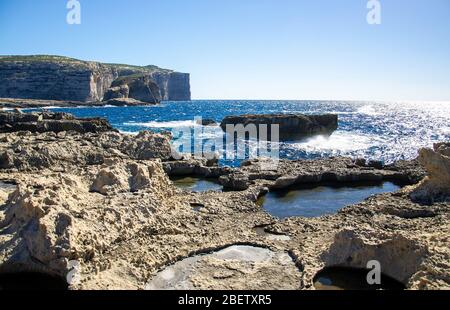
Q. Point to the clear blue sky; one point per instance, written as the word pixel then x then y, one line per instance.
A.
pixel 253 49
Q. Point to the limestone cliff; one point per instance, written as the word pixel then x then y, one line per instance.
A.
pixel 173 86
pixel 68 79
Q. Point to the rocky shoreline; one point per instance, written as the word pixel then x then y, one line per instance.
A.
pixel 105 200
pixel 14 103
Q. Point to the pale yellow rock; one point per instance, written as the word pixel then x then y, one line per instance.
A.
pixel 123 220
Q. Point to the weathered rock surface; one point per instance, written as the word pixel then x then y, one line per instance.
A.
pixel 291 126
pixel 192 166
pixel 104 201
pixel 436 186
pixel 174 86
pixel 22 151
pixel 50 122
pixel 53 79
pixel 138 87
pixel 231 268
pixel 66 79
pixel 335 170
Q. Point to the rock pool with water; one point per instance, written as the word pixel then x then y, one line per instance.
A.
pixel 340 278
pixel 229 268
pixel 196 184
pixel 320 200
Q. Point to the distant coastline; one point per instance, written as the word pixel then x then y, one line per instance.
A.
pixel 58 78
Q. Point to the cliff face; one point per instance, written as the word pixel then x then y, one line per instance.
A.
pixel 67 79
pixel 174 86
pixel 138 87
pixel 53 79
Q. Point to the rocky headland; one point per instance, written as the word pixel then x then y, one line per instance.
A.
pixel 105 200
pixel 68 82
pixel 291 126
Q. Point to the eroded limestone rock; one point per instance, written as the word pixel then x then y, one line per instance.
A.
pixel 50 122
pixel 436 186
pixel 60 151
pixel 139 87
pixel 136 223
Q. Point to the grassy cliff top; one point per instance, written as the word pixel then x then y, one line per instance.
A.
pixel 150 68
pixel 38 58
pixel 68 60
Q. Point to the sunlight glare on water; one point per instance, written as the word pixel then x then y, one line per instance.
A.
pixel 373 130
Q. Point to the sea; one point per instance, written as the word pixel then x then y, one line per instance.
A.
pixel 385 131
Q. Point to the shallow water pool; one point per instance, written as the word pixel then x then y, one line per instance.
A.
pixel 340 278
pixel 320 200
pixel 194 184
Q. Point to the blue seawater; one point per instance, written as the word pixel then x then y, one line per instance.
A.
pixel 386 131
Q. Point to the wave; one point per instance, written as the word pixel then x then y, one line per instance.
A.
pixel 132 133
pixel 50 107
pixel 169 124
pixel 339 141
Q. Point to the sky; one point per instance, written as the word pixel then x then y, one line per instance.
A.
pixel 253 49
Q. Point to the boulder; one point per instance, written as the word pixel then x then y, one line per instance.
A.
pixel 207 122
pixel 123 178
pixel 436 186
pixel 291 126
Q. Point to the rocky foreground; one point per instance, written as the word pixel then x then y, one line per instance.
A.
pixel 104 199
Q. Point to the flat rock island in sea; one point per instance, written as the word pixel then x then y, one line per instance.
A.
pixel 291 126
pixel 104 199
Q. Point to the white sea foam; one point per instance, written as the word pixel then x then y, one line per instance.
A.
pixel 133 133
pixel 50 107
pixel 339 141
pixel 170 124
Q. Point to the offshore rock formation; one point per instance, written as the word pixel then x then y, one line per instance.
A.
pixel 140 87
pixel 66 79
pixel 105 201
pixel 291 126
